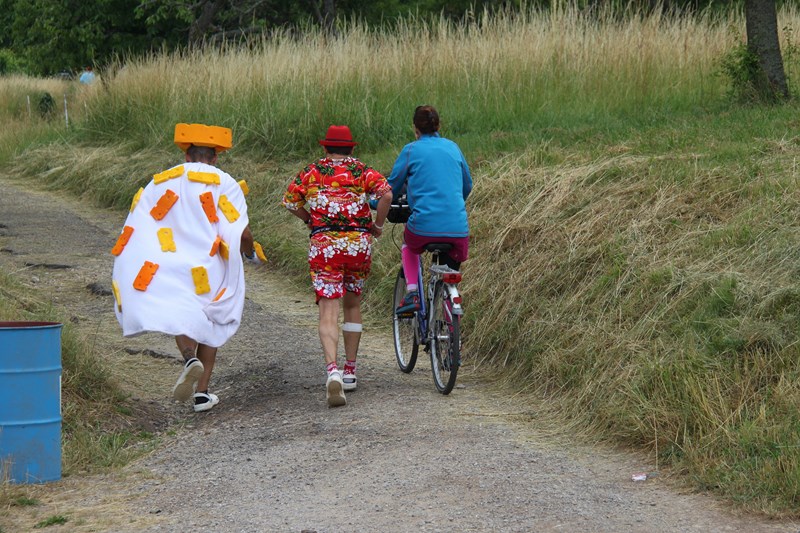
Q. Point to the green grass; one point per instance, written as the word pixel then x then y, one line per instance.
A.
pixel 54 520
pixel 91 399
pixel 634 248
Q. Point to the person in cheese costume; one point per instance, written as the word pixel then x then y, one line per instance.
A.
pixel 178 267
pixel 330 196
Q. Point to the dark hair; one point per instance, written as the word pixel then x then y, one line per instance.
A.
pixel 339 150
pixel 201 154
pixel 426 119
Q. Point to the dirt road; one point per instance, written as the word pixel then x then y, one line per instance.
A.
pixel 273 457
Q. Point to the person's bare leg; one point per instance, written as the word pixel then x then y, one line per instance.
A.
pixel 328 328
pixel 208 357
pixel 187 347
pixel 329 338
pixel 191 374
pixel 352 315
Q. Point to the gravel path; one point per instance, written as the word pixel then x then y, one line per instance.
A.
pixel 272 457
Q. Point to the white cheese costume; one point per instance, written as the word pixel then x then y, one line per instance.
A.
pixel 178 268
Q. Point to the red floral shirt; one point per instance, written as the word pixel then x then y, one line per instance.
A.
pixel 336 192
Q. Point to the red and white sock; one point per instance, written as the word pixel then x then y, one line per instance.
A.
pixel 349 367
pixel 331 367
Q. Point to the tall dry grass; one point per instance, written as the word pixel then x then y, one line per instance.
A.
pixel 33 111
pixel 505 73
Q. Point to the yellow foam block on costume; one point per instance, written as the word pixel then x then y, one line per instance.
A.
pixel 166 240
pixel 115 289
pixel 245 188
pixel 224 250
pixel 145 276
pixel 216 137
pixel 164 204
pixel 200 277
pixel 122 240
pixel 168 175
pixel 259 252
pixel 218 296
pixel 136 198
pixel 227 209
pixel 209 178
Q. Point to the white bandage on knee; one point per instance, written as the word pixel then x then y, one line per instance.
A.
pixel 352 327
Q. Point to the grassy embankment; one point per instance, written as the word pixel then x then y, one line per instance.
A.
pixel 634 257
pixel 96 434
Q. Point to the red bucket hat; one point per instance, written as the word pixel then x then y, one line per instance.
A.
pixel 338 136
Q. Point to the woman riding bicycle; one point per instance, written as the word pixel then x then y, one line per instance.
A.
pixel 435 177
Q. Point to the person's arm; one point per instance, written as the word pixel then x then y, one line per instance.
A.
pixel 251 250
pixel 247 242
pixel 399 175
pixel 466 177
pixel 384 202
pixel 302 214
pixel 294 199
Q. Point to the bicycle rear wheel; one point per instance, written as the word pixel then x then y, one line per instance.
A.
pixel 446 341
pixel 404 329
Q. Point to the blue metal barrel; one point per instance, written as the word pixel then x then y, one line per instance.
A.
pixel 30 401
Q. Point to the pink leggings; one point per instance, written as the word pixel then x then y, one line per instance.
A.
pixel 414 245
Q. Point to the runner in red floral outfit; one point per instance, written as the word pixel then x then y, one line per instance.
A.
pixel 331 196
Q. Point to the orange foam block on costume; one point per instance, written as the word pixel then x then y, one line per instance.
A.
pixel 210 209
pixel 218 296
pixel 209 178
pixel 122 240
pixel 224 250
pixel 227 209
pixel 145 276
pixel 165 240
pixel 200 277
pixel 168 175
pixel 215 246
pixel 164 204
pixel 136 198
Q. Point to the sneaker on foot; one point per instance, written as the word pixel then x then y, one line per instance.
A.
pixel 187 381
pixel 334 389
pixel 409 303
pixel 203 401
pixel 349 381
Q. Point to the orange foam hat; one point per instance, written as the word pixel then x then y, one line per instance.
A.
pixel 216 137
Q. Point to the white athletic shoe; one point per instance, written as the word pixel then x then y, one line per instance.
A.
pixel 334 389
pixel 187 381
pixel 203 401
pixel 349 382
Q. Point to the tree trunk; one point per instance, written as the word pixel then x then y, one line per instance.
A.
pixel 203 22
pixel 762 41
pixel 327 17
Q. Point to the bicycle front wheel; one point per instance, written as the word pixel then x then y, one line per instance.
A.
pixel 445 342
pixel 404 328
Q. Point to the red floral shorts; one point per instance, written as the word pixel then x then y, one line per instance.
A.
pixel 340 261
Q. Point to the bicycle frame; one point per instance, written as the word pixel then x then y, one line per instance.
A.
pixel 450 279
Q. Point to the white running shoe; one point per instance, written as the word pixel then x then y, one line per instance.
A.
pixel 349 382
pixel 203 401
pixel 187 381
pixel 334 389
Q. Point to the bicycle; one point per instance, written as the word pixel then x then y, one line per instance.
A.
pixel 437 324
